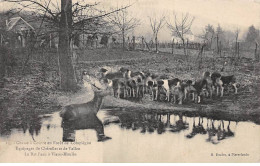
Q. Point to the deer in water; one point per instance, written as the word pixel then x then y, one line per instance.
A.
pixel 72 115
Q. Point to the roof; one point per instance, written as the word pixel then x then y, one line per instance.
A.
pixel 14 21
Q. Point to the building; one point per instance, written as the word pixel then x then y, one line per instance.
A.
pixel 20 31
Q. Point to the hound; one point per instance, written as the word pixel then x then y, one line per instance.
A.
pixel 135 82
pixel 200 85
pixel 119 85
pixel 227 80
pixel 172 83
pixel 177 92
pixel 118 80
pixel 209 87
pixel 153 88
pixel 188 89
pixel 163 85
pixel 149 81
pixel 217 82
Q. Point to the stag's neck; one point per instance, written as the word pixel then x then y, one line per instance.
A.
pixel 97 101
pixel 128 74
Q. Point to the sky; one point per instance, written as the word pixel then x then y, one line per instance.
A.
pixel 230 14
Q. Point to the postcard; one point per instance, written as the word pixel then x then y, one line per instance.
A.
pixel 138 81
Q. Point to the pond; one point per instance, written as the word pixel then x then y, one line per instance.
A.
pixel 138 136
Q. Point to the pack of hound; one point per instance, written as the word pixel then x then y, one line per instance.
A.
pixel 135 84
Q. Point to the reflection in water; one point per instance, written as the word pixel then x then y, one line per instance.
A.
pixel 30 121
pixel 197 129
pixel 34 126
pixel 180 124
pixel 142 122
pixel 138 136
pixel 150 122
pixel 221 133
pixel 89 121
pixel 211 132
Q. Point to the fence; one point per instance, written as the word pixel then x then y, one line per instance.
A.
pixel 234 49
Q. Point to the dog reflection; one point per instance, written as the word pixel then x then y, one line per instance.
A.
pixel 179 125
pixel 223 133
pixel 197 129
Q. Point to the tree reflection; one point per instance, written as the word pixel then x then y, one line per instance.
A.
pixel 25 120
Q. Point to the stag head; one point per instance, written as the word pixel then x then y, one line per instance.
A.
pixel 101 86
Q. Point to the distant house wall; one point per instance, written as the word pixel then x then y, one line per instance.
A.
pixel 19 32
pixel 21 26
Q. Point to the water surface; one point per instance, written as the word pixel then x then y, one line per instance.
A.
pixel 138 136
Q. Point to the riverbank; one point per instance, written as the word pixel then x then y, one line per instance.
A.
pixel 37 91
pixel 225 110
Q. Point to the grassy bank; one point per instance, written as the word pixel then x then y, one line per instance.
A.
pixel 36 92
pixel 243 106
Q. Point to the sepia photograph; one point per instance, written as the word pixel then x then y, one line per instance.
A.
pixel 129 81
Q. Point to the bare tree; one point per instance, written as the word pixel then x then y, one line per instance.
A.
pixel 237 31
pixel 156 24
pixel 124 22
pixel 67 74
pixel 208 35
pixel 181 28
pixel 219 37
pixel 63 17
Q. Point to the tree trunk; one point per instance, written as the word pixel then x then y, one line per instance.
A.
pixel 123 33
pixel 3 54
pixel 172 45
pixel 236 46
pixel 143 46
pixel 133 42
pixel 256 54
pixel 67 73
pixel 238 55
pixel 184 48
pixel 220 47
pixel 217 46
pixel 201 56
pixel 156 44
pixel 186 54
